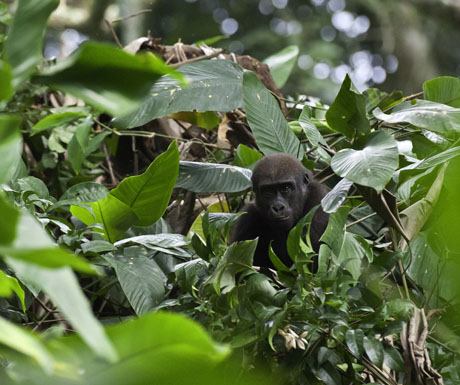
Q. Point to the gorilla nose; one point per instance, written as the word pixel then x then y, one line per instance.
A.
pixel 278 208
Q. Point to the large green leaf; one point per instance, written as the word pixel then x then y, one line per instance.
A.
pixel 435 117
pixel 309 128
pixel 106 76
pixel 23 341
pixel 23 47
pixel 374 350
pixel 355 342
pixel 445 89
pixel 6 78
pixel 10 145
pixel 166 243
pixel 10 285
pixel 281 64
pixel 213 85
pixel 334 198
pixel 139 200
pixel 78 145
pixel 372 166
pixel 141 280
pixel 55 120
pixel 267 122
pixel 28 241
pixel 213 177
pixel 238 256
pixel 354 249
pixel 347 113
pixel 63 288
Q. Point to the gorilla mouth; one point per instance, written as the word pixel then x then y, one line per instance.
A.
pixel 281 219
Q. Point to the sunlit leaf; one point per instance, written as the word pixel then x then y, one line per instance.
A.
pixel 213 177
pixel 267 122
pixel 213 85
pixel 347 113
pixel 23 47
pixel 334 198
pixel 371 166
pixel 106 77
pixel 10 145
pixel 281 64
pixel 444 89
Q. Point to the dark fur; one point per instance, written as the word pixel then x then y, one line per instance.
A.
pixel 284 192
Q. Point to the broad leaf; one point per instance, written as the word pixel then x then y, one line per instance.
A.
pixel 374 350
pixel 63 289
pixel 282 63
pixel 166 243
pixel 334 198
pixel 354 249
pixel 238 256
pixel 6 77
pixel 309 128
pixel 335 230
pixel 355 342
pixel 213 177
pixel 10 285
pixel 372 166
pixel 106 77
pixel 267 122
pixel 139 200
pixel 347 113
pixel 56 120
pixel 439 118
pixel 213 85
pixel 10 145
pixel 141 280
pixel 444 89
pixel 25 342
pixel 246 157
pixel 78 145
pixel 23 47
pixel 392 359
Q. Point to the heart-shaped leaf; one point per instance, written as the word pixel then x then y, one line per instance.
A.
pixel 372 166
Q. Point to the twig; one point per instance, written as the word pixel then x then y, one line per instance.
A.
pixel 109 165
pixel 198 58
pixel 359 220
pixel 114 34
pixel 131 15
pixel 135 155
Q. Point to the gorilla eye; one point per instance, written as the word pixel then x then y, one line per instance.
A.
pixel 286 188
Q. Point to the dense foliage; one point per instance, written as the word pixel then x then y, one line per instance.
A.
pixel 94 267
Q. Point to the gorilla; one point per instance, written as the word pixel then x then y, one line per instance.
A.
pixel 284 192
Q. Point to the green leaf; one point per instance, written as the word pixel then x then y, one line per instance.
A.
pixel 85 192
pixel 78 145
pixel 309 128
pixel 33 245
pixel 9 222
pixel 213 177
pixel 439 118
pixel 328 374
pixel 30 183
pixel 354 249
pixel 335 230
pixel 24 45
pixel 63 288
pixel 238 256
pixel 372 166
pixel 56 120
pixel 374 350
pixel 269 126
pixel 355 342
pixel 392 359
pixel 25 342
pixel 6 77
pixel 347 113
pixel 334 198
pixel 166 243
pixel 246 157
pixel 282 63
pixel 106 77
pixel 138 200
pixel 213 85
pixel 208 120
pixel 444 89
pixel 10 285
pixel 10 145
pixel 141 280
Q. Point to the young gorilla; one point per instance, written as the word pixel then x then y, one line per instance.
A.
pixel 284 192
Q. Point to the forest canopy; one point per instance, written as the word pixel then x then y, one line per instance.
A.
pixel 127 158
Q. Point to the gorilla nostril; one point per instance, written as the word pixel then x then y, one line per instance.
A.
pixel 278 208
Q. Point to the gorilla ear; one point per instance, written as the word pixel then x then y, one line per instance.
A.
pixel 306 179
